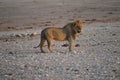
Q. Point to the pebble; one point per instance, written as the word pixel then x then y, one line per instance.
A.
pixel 12 35
pixel 33 34
pixel 18 35
pixel 113 34
pixel 11 53
pixel 77 45
pixel 74 52
pixel 65 45
pixel 23 35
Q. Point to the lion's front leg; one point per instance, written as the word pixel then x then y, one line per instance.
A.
pixel 70 43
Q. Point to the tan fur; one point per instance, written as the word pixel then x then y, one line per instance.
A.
pixel 68 32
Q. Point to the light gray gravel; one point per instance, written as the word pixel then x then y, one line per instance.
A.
pixel 97 58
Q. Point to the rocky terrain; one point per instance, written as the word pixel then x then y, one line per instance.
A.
pixel 96 54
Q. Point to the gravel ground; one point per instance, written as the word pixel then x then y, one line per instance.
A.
pixel 97 58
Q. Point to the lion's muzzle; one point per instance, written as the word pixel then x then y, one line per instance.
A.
pixel 78 31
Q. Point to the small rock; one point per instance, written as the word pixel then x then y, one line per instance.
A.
pixel 18 35
pixel 48 22
pixel 6 40
pixel 77 45
pixel 23 35
pixel 33 34
pixel 114 51
pixel 12 35
pixel 65 45
pixel 113 34
pixel 110 13
pixel 114 70
pixel 94 20
pixel 8 74
pixel 104 44
pixel 74 52
pixel 94 35
pixel 87 69
pixel 76 71
pixel 11 53
pixel 25 66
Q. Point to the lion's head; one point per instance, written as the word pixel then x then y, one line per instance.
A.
pixel 77 26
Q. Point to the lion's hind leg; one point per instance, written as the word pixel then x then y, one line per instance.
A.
pixel 49 41
pixel 42 43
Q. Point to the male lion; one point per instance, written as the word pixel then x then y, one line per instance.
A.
pixel 68 32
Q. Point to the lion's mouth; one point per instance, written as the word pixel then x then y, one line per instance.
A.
pixel 78 31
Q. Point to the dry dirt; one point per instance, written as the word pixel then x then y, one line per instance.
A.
pixel 96 54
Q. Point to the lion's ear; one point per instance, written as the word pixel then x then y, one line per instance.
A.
pixel 79 22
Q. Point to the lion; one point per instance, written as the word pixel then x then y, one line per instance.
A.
pixel 68 32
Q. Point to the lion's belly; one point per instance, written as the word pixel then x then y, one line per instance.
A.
pixel 58 34
pixel 60 38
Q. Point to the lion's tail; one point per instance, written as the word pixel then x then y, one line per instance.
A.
pixel 37 46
